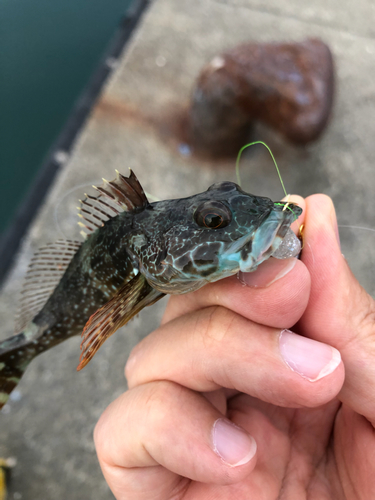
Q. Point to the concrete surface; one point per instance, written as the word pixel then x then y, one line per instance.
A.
pixel 49 422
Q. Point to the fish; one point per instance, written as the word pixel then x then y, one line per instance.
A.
pixel 135 252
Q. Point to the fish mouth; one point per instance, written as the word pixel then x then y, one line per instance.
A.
pixel 272 238
pixel 290 246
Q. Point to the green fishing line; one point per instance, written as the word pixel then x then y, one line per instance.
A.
pixel 270 152
pixel 286 206
pixel 277 169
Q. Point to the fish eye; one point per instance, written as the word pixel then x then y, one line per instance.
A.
pixel 213 215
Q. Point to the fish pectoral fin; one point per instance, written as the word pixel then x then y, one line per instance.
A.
pixel 128 301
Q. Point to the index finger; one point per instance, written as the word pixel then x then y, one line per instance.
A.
pixel 276 294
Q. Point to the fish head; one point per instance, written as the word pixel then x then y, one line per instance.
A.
pixel 212 235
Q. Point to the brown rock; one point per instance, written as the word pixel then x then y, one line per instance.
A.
pixel 288 86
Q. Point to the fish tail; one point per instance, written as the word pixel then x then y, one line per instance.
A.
pixel 15 355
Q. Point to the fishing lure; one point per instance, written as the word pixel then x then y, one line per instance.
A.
pixel 134 254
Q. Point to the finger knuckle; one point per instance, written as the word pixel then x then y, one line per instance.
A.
pixel 214 324
pixel 159 399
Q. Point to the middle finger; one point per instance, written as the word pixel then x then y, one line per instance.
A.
pixel 281 304
pixel 215 347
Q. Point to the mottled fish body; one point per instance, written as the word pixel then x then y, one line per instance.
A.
pixel 135 253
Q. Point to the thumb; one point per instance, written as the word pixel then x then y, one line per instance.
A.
pixel 339 312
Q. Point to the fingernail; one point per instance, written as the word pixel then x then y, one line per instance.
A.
pixel 309 358
pixel 232 444
pixel 268 272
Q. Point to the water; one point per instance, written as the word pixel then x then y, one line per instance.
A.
pixel 48 51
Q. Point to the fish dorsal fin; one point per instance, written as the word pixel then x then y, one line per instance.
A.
pixel 128 301
pixel 123 194
pixel 43 275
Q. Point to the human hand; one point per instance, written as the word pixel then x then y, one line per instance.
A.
pixel 220 358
